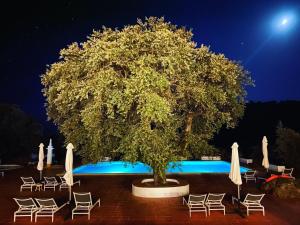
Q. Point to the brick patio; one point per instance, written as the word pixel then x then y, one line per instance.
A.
pixel 120 207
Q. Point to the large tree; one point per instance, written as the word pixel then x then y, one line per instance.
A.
pixel 145 92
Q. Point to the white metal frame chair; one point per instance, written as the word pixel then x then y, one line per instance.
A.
pixel 83 204
pixel 214 202
pixel 50 183
pixel 47 208
pixel 63 183
pixel 196 203
pixel 288 172
pixel 250 175
pixel 28 183
pixel 27 207
pixel 252 203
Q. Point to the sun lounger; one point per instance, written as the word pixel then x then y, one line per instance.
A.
pixel 196 203
pixel 247 161
pixel 50 183
pixel 276 168
pixel 63 183
pixel 252 203
pixel 27 207
pixel 47 208
pixel 204 158
pixel 28 183
pixel 214 202
pixel 288 172
pixel 250 175
pixel 84 204
pixel 210 157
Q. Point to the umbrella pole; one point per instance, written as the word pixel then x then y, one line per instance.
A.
pixel 40 175
pixel 70 193
pixel 239 193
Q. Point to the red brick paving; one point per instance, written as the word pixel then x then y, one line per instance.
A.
pixel 118 206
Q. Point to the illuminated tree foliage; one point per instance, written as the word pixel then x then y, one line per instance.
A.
pixel 145 92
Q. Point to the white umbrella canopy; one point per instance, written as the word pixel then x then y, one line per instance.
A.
pixel 40 165
pixel 265 161
pixel 69 167
pixel 235 173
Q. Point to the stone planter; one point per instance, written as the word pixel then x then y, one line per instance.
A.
pixel 175 188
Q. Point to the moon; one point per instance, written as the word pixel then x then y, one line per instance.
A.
pixel 284 21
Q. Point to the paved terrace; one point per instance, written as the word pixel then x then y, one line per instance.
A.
pixel 118 206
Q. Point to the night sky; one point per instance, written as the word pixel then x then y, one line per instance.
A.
pixel 32 33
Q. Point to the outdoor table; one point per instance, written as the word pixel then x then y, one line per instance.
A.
pixel 38 187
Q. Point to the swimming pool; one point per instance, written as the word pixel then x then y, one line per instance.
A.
pixel 184 167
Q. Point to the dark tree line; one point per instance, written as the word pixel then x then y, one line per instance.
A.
pixel 19 134
pixel 260 118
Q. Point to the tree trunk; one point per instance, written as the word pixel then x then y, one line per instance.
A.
pixel 158 179
pixel 187 130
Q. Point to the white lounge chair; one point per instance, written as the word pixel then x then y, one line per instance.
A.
pixel 50 183
pixel 196 203
pixel 252 203
pixel 27 207
pixel 250 175
pixel 47 208
pixel 63 183
pixel 247 161
pixel 214 202
pixel 288 172
pixel 28 183
pixel 276 168
pixel 84 204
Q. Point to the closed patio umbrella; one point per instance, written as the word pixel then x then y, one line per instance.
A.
pixel 40 165
pixel 69 167
pixel 265 161
pixel 235 173
pixel 49 153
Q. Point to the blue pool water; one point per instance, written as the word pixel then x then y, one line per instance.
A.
pixel 184 167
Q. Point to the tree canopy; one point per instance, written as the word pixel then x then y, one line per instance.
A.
pixel 145 92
